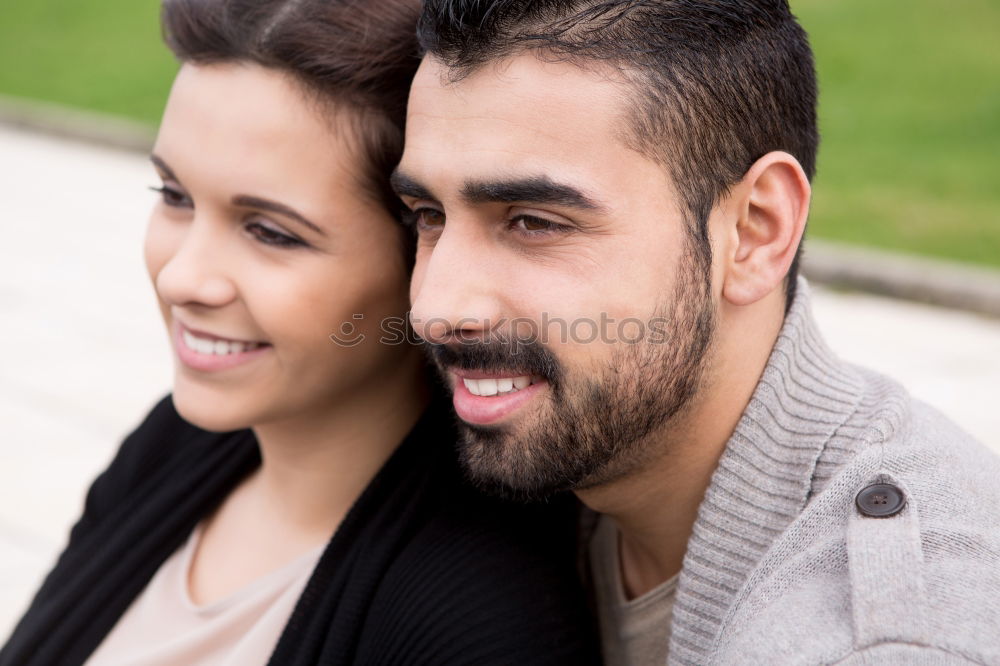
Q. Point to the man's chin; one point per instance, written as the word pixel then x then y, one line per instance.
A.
pixel 503 461
pixel 501 464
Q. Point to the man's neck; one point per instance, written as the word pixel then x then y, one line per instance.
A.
pixel 655 507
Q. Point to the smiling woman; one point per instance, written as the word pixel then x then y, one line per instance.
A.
pixel 261 218
pixel 295 500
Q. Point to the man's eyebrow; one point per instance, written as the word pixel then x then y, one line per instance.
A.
pixel 405 186
pixel 249 201
pixel 530 190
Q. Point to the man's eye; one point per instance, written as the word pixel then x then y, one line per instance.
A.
pixel 531 225
pixel 427 219
pixel 173 197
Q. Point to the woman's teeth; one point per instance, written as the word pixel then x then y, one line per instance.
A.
pixel 216 347
pixel 488 387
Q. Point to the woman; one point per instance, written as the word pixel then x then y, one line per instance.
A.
pixel 296 500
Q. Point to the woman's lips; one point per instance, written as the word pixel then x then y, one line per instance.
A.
pixel 209 353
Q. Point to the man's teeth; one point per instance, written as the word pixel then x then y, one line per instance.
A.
pixel 488 387
pixel 216 347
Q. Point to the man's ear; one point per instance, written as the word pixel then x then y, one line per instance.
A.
pixel 770 205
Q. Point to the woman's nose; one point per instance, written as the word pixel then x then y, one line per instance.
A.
pixel 196 267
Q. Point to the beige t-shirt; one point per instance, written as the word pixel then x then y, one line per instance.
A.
pixel 164 627
pixel 636 632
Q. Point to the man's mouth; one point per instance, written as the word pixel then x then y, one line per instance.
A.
pixel 490 386
pixel 488 397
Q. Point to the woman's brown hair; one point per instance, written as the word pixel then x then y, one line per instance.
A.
pixel 358 55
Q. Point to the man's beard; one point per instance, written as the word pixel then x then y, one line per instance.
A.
pixel 599 429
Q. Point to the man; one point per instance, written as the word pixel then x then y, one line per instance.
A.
pixel 609 199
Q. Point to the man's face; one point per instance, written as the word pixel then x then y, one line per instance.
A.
pixel 557 284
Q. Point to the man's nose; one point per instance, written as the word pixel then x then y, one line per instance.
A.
pixel 455 292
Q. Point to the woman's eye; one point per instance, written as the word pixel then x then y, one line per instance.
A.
pixel 173 197
pixel 531 225
pixel 271 236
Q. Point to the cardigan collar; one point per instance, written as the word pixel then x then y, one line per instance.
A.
pixel 764 477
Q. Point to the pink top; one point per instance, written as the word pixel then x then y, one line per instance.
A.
pixel 164 627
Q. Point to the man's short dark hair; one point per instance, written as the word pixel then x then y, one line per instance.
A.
pixel 720 83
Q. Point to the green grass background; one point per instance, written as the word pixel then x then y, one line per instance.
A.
pixel 910 120
pixel 103 55
pixel 909 106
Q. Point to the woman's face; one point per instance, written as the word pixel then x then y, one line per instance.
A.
pixel 263 245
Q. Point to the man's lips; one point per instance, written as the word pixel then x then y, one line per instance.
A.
pixel 483 374
pixel 482 397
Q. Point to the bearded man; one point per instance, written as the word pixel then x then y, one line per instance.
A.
pixel 647 164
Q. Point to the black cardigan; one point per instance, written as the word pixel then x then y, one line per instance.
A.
pixel 423 569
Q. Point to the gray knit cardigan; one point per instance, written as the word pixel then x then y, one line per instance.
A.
pixel 783 568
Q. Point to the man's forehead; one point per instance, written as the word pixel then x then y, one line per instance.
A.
pixel 511 83
pixel 521 123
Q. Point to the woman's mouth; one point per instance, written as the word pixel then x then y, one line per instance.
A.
pixel 207 352
pixel 216 346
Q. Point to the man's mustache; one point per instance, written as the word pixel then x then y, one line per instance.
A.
pixel 500 355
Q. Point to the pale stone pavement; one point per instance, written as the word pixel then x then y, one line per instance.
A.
pixel 87 357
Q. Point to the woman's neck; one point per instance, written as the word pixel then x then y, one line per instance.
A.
pixel 316 465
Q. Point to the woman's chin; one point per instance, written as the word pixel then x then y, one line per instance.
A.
pixel 210 412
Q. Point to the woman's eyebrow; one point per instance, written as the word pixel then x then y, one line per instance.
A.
pixel 248 201
pixel 162 166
